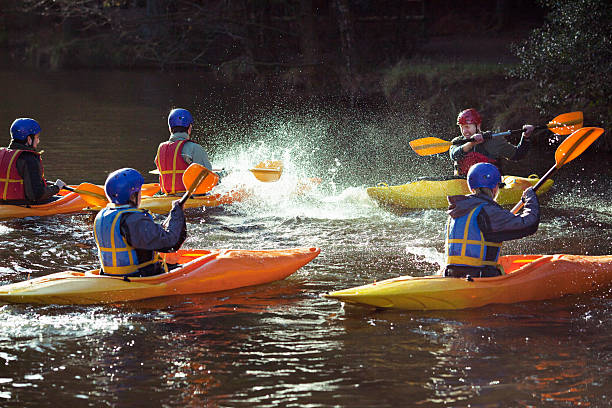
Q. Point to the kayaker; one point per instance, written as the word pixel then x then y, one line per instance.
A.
pixel 177 153
pixel 477 226
pixel 22 176
pixel 484 149
pixel 128 239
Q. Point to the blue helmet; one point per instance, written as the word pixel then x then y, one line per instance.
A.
pixel 24 127
pixel 121 184
pixel 179 117
pixel 483 175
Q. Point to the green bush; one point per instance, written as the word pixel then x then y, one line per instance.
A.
pixel 569 58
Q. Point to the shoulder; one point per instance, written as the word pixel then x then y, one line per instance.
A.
pixel 458 138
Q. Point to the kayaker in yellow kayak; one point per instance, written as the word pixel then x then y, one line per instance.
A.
pixel 22 176
pixel 128 239
pixel 484 149
pixel 477 226
pixel 177 153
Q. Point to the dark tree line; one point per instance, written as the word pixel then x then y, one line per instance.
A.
pixel 254 35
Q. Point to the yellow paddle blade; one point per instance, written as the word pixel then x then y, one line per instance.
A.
pixel 92 194
pixel 566 123
pixel 199 179
pixel 575 144
pixel 430 145
pixel 268 171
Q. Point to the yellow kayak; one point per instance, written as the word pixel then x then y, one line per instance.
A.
pixel 432 194
pixel 527 278
pixel 201 271
pixel 162 204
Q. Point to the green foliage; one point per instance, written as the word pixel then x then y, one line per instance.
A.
pixel 570 57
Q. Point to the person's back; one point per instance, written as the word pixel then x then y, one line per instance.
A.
pixel 477 226
pixel 128 239
pixel 483 149
pixel 22 178
pixel 176 154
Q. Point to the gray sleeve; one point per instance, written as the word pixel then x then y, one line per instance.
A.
pixel 499 147
pixel 194 153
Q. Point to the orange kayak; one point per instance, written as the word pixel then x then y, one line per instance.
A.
pixel 201 271
pixel 527 278
pixel 69 203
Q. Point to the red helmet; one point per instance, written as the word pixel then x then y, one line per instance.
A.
pixel 469 117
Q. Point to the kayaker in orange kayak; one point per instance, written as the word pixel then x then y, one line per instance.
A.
pixel 22 177
pixel 484 149
pixel 177 153
pixel 477 226
pixel 128 239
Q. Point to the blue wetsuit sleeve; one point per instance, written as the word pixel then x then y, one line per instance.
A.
pixel 498 224
pixel 142 232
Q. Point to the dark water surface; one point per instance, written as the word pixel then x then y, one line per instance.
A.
pixel 282 344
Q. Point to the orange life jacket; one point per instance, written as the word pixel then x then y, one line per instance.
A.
pixel 11 182
pixel 171 167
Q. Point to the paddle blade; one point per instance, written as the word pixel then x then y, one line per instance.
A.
pixel 93 194
pixel 268 171
pixel 198 179
pixel 566 123
pixel 430 145
pixel 150 189
pixel 575 144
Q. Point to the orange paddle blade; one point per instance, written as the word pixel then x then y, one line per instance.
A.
pixel 92 194
pixel 268 171
pixel 575 144
pixel 150 189
pixel 566 123
pixel 199 179
pixel 430 145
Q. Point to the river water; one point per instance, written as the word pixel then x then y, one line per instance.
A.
pixel 282 344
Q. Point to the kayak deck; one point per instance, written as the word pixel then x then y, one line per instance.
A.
pixel 162 204
pixel 432 194
pixel 202 271
pixel 527 278
pixel 66 204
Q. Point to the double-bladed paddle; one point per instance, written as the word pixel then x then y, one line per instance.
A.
pixel 563 124
pixel 572 147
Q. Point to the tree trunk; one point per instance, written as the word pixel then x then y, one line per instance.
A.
pixel 347 36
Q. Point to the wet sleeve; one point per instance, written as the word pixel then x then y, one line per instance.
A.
pixel 142 232
pixel 34 188
pixel 500 147
pixel 194 153
pixel 521 149
pixel 498 224
pixel 456 152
